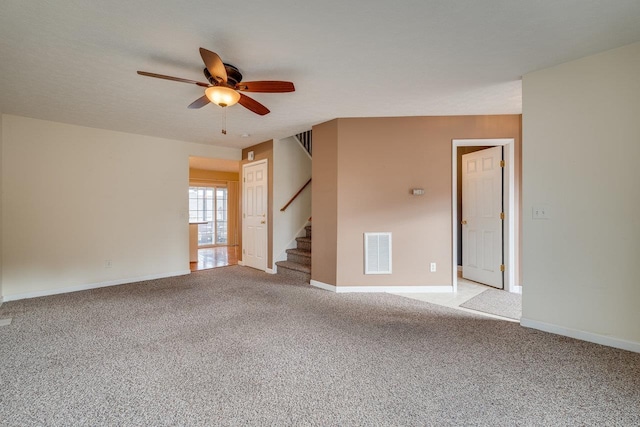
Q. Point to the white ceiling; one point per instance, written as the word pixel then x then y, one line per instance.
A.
pixel 75 61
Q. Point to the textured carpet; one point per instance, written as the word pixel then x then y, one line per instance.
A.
pixel 498 302
pixel 234 346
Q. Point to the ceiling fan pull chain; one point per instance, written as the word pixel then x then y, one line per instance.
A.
pixel 224 120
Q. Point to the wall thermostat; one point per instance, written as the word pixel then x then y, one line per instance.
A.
pixel 250 155
pixel 417 191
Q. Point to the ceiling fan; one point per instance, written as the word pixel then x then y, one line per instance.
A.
pixel 225 85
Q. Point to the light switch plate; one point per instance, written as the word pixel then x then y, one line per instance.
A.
pixel 541 212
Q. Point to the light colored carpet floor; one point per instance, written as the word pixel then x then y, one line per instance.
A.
pixel 498 302
pixel 234 346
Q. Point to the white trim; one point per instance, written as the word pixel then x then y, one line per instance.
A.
pixel 385 289
pixel 581 335
pixel 273 270
pixel 509 199
pixel 240 263
pixel 322 285
pixel 459 268
pixel 88 286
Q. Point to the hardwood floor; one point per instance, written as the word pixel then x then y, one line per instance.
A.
pixel 221 256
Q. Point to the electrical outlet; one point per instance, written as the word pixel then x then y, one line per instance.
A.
pixel 107 263
pixel 432 267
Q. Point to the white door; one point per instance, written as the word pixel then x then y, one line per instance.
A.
pixel 481 221
pixel 254 215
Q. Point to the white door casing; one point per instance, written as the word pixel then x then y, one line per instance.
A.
pixel 254 214
pixel 481 217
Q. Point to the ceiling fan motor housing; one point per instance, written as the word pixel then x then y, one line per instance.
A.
pixel 233 76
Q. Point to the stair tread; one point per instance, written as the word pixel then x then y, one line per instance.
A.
pixel 301 252
pixel 294 266
pixel 303 239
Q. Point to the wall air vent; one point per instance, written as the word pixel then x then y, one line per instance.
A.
pixel 377 253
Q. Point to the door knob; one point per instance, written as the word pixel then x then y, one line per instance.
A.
pixel 263 222
pixel 463 222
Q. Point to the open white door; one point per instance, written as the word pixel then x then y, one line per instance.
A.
pixel 254 216
pixel 482 256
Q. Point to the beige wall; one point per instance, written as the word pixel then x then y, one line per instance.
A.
pixel 581 130
pixel 261 151
pixel 324 203
pixel 370 165
pixel 74 197
pixel 230 180
pixel 205 176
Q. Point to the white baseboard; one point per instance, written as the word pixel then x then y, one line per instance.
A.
pixel 581 335
pixel 240 263
pixel 459 268
pixel 386 289
pixel 272 270
pixel 88 286
pixel 322 285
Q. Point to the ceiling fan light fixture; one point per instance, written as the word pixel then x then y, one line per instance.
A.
pixel 222 96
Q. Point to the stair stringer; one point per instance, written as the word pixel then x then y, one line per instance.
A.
pixel 282 256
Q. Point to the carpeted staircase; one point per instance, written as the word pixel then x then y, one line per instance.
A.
pixel 298 263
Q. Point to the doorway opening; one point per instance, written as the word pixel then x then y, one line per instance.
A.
pixel 213 205
pixel 509 209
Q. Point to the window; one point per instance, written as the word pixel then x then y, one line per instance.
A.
pixel 203 202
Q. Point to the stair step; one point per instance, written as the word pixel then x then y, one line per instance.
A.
pixel 308 231
pixel 294 271
pixel 300 252
pixel 300 256
pixel 304 243
pixel 294 266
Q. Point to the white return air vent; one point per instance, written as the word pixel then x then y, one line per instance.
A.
pixel 377 253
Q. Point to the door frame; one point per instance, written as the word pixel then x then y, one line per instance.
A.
pixel 244 192
pixel 509 236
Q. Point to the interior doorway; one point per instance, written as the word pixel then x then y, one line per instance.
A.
pixel 214 208
pixel 509 208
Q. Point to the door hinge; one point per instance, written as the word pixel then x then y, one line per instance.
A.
pixel 244 215
pixel 501 267
pixel 244 179
pixel 501 163
pixel 244 251
pixel 501 215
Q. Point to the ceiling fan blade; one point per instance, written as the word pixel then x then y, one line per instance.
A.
pixel 199 103
pixel 267 86
pixel 214 65
pixel 253 105
pixel 175 79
